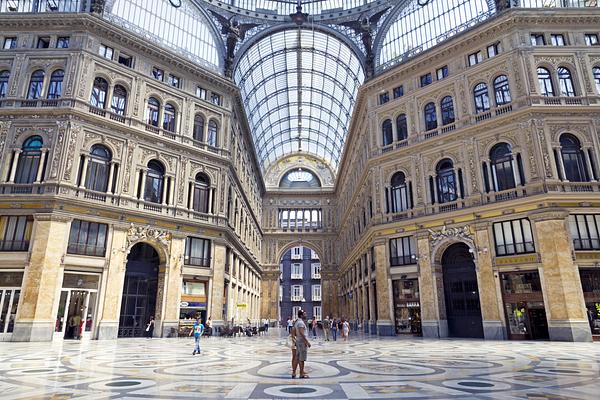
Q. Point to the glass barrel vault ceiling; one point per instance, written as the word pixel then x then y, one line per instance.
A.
pixel 286 7
pixel 299 88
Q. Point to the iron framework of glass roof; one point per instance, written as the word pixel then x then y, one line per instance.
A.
pixel 287 7
pixel 299 87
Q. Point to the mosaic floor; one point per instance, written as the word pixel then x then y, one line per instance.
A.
pixel 258 368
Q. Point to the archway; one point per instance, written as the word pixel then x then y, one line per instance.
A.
pixel 140 288
pixel 461 293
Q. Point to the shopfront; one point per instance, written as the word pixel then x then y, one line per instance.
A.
pixel 407 306
pixel 10 291
pixel 590 282
pixel 75 318
pixel 524 305
pixel 193 304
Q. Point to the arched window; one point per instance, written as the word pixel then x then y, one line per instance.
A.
pixel 213 133
pixel 399 193
pixel 119 100
pixel 573 159
pixel 29 160
pixel 198 127
pixel 545 82
pixel 595 71
pixel 447 107
pixel 4 77
pixel 56 84
pixel 446 181
pixel 430 117
pixel 482 98
pixel 99 91
pixel 501 90
pixel 153 111
pixel 565 82
pixel 401 127
pixel 154 182
pixel 502 164
pixel 35 85
pixel 169 118
pixel 386 130
pixel 201 193
pixel 98 169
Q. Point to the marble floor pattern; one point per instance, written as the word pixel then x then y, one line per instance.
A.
pixel 258 368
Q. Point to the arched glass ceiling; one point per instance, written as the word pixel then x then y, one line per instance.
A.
pixel 183 29
pixel 417 28
pixel 299 88
pixel 286 7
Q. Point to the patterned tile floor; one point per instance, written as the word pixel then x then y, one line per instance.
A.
pixel 258 368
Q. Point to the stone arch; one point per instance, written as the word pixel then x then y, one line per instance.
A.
pixel 438 249
pixel 159 240
pixel 310 244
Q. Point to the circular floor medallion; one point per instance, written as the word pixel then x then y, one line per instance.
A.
pixel 295 391
pixel 475 385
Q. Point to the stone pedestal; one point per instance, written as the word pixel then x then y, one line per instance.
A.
pixel 42 279
pixel 563 295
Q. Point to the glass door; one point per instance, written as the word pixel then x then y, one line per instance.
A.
pixel 75 316
pixel 9 301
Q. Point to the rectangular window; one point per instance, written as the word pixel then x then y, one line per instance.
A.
pixel 426 80
pixel 591 39
pixel 557 39
pixel 174 81
pixel 537 39
pixel 62 42
pixel 296 272
pixel 297 253
pixel 402 251
pixel 475 58
pixel 10 43
pixel 585 231
pixel 216 99
pixel 315 269
pixel 15 232
pixel 317 313
pixel 158 74
pixel 441 73
pixel 194 288
pixel 87 238
pixel 43 42
pixel 197 252
pixel 384 97
pixel 513 237
pixel 398 91
pixel 125 60
pixel 280 293
pixel 106 51
pixel 295 310
pixel 201 92
pixel 297 293
pixel 316 293
pixel 313 255
pixel 493 50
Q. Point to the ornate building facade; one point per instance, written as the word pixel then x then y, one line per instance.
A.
pixel 448 188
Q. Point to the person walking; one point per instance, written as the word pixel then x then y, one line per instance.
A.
pixel 197 330
pixel 314 327
pixel 150 328
pixel 326 328
pixel 334 328
pixel 290 325
pixel 345 329
pixel 302 343
pixel 209 327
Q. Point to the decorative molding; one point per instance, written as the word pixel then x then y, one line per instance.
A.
pixel 139 234
pixel 437 237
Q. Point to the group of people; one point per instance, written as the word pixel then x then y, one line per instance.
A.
pixel 330 327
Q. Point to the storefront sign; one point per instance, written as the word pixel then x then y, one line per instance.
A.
pixel 242 305
pixel 531 258
pixel 192 304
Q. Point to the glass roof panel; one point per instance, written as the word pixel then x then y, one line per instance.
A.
pixel 299 93
pixel 286 7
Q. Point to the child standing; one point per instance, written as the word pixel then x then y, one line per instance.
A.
pixel 197 330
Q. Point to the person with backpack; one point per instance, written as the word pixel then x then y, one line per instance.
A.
pixel 197 330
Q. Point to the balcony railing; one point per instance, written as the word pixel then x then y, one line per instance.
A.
pixel 296 276
pixel 198 261
pixel 403 260
pixel 296 298
pixel 14 245
pixel 84 249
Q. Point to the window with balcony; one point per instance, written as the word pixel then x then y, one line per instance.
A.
pixel 426 80
pixel 441 73
pixel 387 132
pixel 36 84
pixel 297 253
pixel 10 43
pixel 169 118
pixel 573 159
pixel 399 196
pixel 398 91
pixel 482 98
pixel 106 51
pixel 475 58
pixel 430 117
pixel 384 97
pixel 4 78
pixel 447 109
pixel 62 42
pixel 585 231
pixel 28 165
pixel 97 174
pixel 315 270
pixel 505 174
pixel 15 232
pixel 87 238
pixel 56 84
pixel 502 90
pixel 296 271
pixel 538 39
pixel 401 127
pixel 198 132
pixel 297 293
pixel 119 100
pixel 213 134
pixel 403 251
pixel 591 39
pixel 545 82
pixel 197 252
pixel 513 237
pixel 99 91
pixel 154 185
pixel 557 39
pixel 446 181
pixel 316 293
pixel 317 313
pixel 201 193
pixel 565 82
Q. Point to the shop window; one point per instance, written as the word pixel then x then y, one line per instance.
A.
pixel 10 43
pixel 585 231
pixel 590 282
pixel 591 39
pixel 402 251
pixel 43 42
pixel 407 308
pixel 194 288
pixel 106 51
pixel 63 42
pixel 87 238
pixel 441 73
pixel 15 232
pixel 398 91
pixel 197 252
pixel 524 305
pixel 513 237
pixel 426 80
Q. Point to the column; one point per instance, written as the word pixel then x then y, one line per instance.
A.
pixel 191 197
pixel 435 191
pixel 270 294
pixel 493 328
pixel 210 199
pixel 492 174
pixel 433 313
pixel 218 287
pixel 588 164
pixel 172 191
pixel 42 280
pixel 13 168
pixel 86 160
pixel 111 177
pixel 143 185
pixel 229 294
pixel 561 166
pixel 563 294
pixel 168 320
pixel 38 177
pixel 516 174
pixel 384 322
pixel 166 184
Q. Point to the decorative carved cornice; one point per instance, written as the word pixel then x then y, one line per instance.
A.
pixel 139 234
pixel 450 233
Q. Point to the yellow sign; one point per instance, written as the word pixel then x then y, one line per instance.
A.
pixel 242 305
